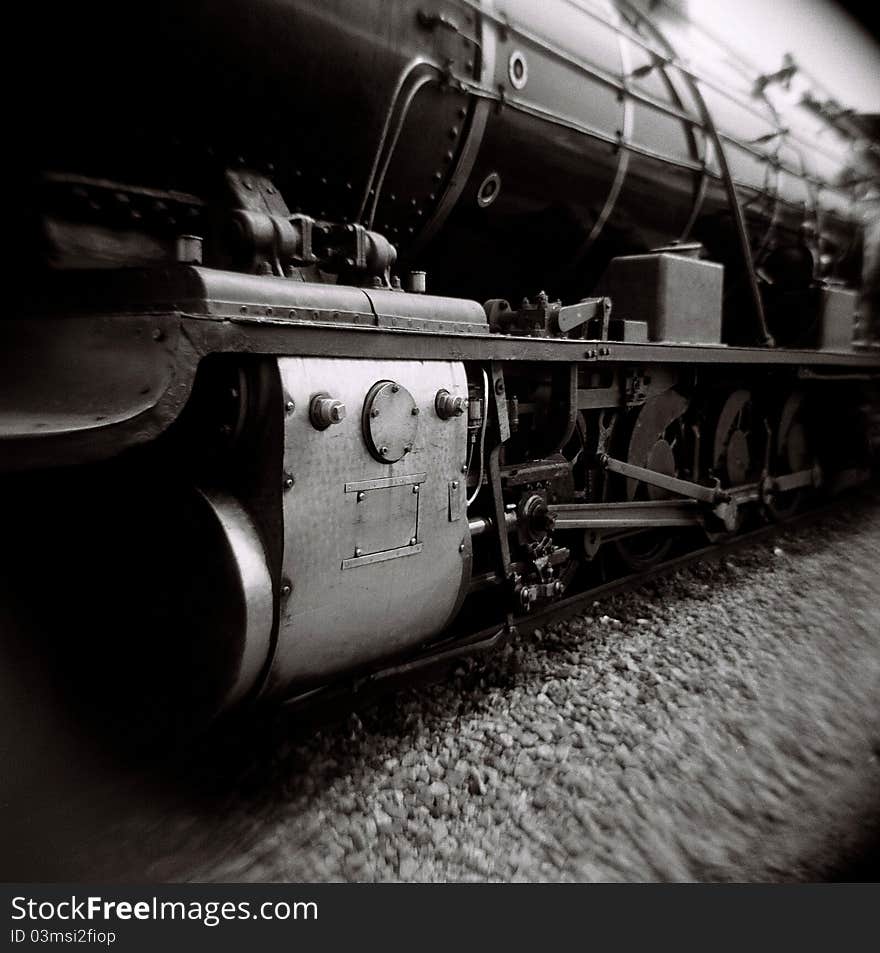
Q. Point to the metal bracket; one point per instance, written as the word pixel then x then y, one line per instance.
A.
pixel 498 396
pixel 454 492
pixel 584 314
pixel 498 506
pixel 269 235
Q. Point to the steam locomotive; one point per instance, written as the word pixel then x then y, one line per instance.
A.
pixel 347 334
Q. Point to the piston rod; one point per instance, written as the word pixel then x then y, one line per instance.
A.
pixel 649 514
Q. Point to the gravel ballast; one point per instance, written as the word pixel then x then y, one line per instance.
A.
pixel 722 723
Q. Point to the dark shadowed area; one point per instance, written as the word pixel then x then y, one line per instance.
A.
pixel 721 724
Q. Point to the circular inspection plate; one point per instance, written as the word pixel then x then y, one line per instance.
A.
pixel 390 421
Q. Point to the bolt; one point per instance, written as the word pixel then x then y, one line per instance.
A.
pixel 286 589
pixel 461 547
pixel 290 406
pixel 415 488
pixel 499 386
pixel 374 412
pixel 408 448
pixel 413 541
pixel 395 388
pixel 455 484
pixel 288 481
pixel 361 496
pixel 158 334
pixel 415 411
pixel 357 551
pixel 464 468
pixel 325 411
pixel 383 451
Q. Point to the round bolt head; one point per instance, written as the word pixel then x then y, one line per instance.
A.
pixel 414 411
pixel 361 496
pixel 358 551
pixel 286 589
pixel 415 488
pixel 461 547
pixel 455 484
pixel 288 481
pixel 290 406
pixel 413 541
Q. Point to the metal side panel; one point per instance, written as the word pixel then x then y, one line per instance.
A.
pixel 372 549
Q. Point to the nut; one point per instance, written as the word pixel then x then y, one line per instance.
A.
pixel 447 406
pixel 324 411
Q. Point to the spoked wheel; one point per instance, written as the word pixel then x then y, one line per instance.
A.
pixel 792 452
pixel 738 450
pixel 659 441
pixel 643 550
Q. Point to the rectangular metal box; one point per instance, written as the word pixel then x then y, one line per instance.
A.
pixel 678 297
pixel 837 316
pixel 630 332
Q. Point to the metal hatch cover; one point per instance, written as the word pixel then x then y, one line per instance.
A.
pixel 390 421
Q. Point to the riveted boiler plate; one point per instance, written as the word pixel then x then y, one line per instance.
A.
pixel 390 421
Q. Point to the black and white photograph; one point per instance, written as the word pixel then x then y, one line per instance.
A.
pixel 439 444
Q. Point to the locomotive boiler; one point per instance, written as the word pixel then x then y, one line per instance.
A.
pixel 351 332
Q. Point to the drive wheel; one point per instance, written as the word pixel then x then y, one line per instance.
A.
pixel 659 441
pixel 792 452
pixel 739 449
